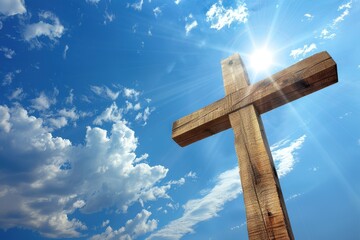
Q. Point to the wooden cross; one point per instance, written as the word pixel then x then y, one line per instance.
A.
pixel 240 109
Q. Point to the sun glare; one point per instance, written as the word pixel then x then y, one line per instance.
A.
pixel 261 60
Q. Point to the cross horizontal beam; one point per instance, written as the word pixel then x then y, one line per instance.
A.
pixel 296 81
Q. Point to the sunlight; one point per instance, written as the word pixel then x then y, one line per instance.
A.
pixel 261 60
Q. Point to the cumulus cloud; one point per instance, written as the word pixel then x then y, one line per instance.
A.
pixel 144 116
pixel 227 187
pixel 105 92
pixel 69 113
pixel 133 228
pixel 110 114
pixel 62 118
pixel 5 125
pixel 131 106
pixel 219 16
pixel 45 179
pixel 48 26
pixel 131 93
pixel 17 94
pixel 12 7
pixel 301 52
pixel 57 123
pixel 43 102
pixel 8 53
pixel 177 2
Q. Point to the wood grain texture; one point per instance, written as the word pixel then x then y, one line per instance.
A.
pixel 300 79
pixel 266 213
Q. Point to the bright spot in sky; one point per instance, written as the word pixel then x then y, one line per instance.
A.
pixel 261 60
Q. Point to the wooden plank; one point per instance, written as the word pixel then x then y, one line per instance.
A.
pixel 302 78
pixel 266 213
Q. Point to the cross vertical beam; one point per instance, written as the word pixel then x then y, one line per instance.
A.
pixel 265 207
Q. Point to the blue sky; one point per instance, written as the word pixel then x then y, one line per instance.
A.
pixel 89 92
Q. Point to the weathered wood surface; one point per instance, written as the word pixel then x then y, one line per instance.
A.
pixel 266 214
pixel 265 207
pixel 300 79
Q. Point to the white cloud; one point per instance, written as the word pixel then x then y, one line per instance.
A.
pixel 346 12
pixel 301 52
pixel 177 2
pixel 48 26
pixel 191 174
pixel 69 113
pixel 179 182
pixel 309 17
pixel 138 6
pixel 326 34
pixel 130 106
pixel 69 99
pixel 157 11
pixel 131 93
pixel 283 155
pixel 105 223
pixel 105 92
pixel 93 1
pixel 296 195
pixel 109 17
pixel 5 125
pixel 9 77
pixel 190 26
pixel 65 51
pixel 110 114
pixel 345 6
pixel 238 226
pixel 142 158
pixel 133 228
pixel 8 53
pixel 57 123
pixel 173 206
pixel 227 187
pixel 42 102
pixel 46 178
pixel 137 107
pixel 144 116
pixel 12 7
pixel 219 16
pixel 17 94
